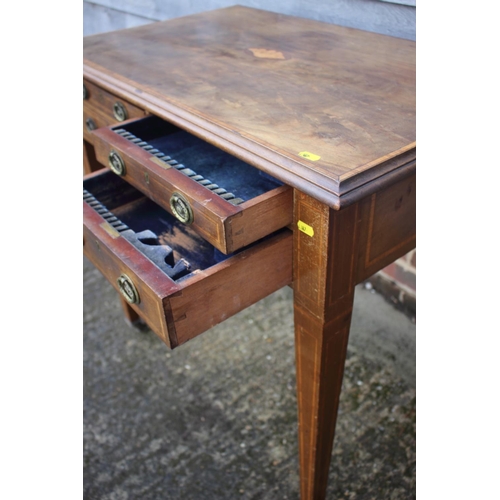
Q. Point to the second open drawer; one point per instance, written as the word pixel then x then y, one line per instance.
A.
pixel 177 282
pixel 228 202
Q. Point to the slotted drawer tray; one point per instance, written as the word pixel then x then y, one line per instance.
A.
pixel 227 201
pixel 116 221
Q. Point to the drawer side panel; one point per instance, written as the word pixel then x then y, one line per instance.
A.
pixel 222 291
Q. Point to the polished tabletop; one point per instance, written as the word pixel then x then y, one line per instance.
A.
pixel 326 109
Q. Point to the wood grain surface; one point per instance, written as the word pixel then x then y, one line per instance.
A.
pixel 268 87
pixel 324 279
pixel 388 226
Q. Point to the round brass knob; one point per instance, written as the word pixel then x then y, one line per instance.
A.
pixel 128 289
pixel 90 124
pixel 181 208
pixel 85 93
pixel 120 111
pixel 116 164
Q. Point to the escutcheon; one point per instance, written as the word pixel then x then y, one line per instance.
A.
pixel 90 124
pixel 116 164
pixel 128 289
pixel 119 111
pixel 181 208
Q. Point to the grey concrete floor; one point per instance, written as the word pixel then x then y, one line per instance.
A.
pixel 217 418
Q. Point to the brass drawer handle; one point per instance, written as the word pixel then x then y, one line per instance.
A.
pixel 90 124
pixel 116 164
pixel 181 208
pixel 120 111
pixel 128 289
pixel 85 92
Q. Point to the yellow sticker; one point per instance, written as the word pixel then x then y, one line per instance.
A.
pixel 305 228
pixel 309 156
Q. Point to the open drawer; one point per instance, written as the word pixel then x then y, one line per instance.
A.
pixel 177 282
pixel 228 202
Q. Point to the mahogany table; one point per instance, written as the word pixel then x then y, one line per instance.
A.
pixel 328 111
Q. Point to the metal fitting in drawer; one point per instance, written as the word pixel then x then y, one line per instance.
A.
pixel 177 282
pixel 227 201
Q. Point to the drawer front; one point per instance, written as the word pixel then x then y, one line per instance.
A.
pixel 181 308
pixel 196 182
pixel 101 109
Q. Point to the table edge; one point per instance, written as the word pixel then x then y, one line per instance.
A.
pixel 335 191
